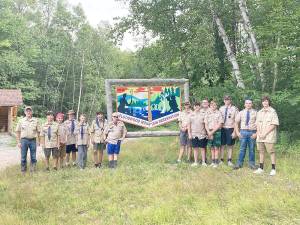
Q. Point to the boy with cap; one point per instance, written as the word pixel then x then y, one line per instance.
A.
pixel 82 140
pixel 27 132
pixel 62 138
pixel 229 113
pixel 213 125
pixel 50 140
pixel 185 143
pixel 70 125
pixel 98 137
pixel 116 133
pixel 267 123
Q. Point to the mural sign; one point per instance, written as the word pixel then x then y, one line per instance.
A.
pixel 148 106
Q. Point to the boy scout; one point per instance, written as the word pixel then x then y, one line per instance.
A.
pixel 267 123
pixel 62 138
pixel 98 137
pixel 183 120
pixel 197 133
pixel 50 140
pixel 27 132
pixel 213 125
pixel 82 141
pixel 115 132
pixel 70 125
pixel 245 128
pixel 229 113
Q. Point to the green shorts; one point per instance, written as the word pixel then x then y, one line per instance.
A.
pixel 99 146
pixel 216 141
pixel 54 151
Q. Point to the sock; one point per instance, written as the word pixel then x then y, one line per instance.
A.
pixel 217 161
pixel 111 164
pixel 96 164
pixel 261 165
pixel 115 163
pixel 229 160
pixel 222 160
pixel 213 161
pixel 273 166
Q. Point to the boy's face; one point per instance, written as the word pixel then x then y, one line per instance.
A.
pixel 248 104
pixel 28 113
pixel 265 103
pixel 186 107
pixel 115 119
pixel 50 118
pixel 205 104
pixel 82 119
pixel 213 106
pixel 227 101
pixel 60 119
pixel 100 116
pixel 197 107
pixel 71 116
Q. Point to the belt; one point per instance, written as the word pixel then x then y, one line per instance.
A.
pixel 29 139
pixel 248 130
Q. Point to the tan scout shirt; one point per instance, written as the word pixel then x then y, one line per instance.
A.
pixel 85 139
pixel 184 118
pixel 231 115
pixel 71 138
pixel 197 124
pixel 62 133
pixel 241 119
pixel 213 119
pixel 115 132
pixel 29 128
pixel 97 132
pixel 53 142
pixel 265 118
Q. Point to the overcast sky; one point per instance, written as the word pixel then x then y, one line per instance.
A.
pixel 106 10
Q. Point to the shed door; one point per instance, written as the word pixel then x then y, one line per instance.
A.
pixel 4 119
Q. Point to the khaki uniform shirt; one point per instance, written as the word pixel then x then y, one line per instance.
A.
pixel 241 119
pixel 29 128
pixel 197 124
pixel 62 133
pixel 84 139
pixel 98 131
pixel 184 118
pixel 231 115
pixel 53 141
pixel 213 119
pixel 115 132
pixel 71 138
pixel 265 118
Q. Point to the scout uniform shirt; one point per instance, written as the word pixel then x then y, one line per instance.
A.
pixel 229 114
pixel 71 138
pixel 98 130
pixel 50 134
pixel 242 119
pixel 82 134
pixel 184 118
pixel 213 119
pixel 115 132
pixel 197 124
pixel 29 128
pixel 265 118
pixel 62 131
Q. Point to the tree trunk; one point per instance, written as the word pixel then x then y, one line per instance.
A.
pixel 231 57
pixel 248 28
pixel 64 89
pixel 275 68
pixel 80 86
pixel 74 86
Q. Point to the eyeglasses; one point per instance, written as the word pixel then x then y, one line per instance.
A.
pixel 115 116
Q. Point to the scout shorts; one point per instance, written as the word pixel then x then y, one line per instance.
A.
pixel 262 146
pixel 226 138
pixel 113 149
pixel 216 141
pixel 99 146
pixel 184 138
pixel 71 148
pixel 199 143
pixel 48 151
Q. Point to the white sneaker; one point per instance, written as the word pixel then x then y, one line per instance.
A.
pixel 215 165
pixel 221 162
pixel 273 173
pixel 258 171
pixel 204 164
pixel 212 165
pixel 194 164
pixel 178 161
pixel 230 164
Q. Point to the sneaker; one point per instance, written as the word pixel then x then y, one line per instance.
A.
pixel 211 165
pixel 259 171
pixel 236 167
pixel 215 165
pixel 67 164
pixel 221 162
pixel 47 169
pixel 96 165
pixel 273 173
pixel 230 164
pixel 74 164
pixel 55 168
pixel 178 161
pixel 204 164
pixel 252 167
pixel 194 164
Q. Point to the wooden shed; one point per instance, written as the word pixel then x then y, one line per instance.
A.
pixel 10 99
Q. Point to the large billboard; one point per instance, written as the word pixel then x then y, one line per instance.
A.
pixel 148 106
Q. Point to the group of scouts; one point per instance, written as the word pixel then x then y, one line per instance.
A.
pixel 69 138
pixel 207 126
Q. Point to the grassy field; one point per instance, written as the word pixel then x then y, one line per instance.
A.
pixel 148 188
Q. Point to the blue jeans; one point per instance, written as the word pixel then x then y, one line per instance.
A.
pixel 82 156
pixel 25 144
pixel 246 140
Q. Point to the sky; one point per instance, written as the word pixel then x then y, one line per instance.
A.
pixel 107 10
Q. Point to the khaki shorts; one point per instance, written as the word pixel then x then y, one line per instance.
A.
pixel 269 147
pixel 62 151
pixel 48 151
